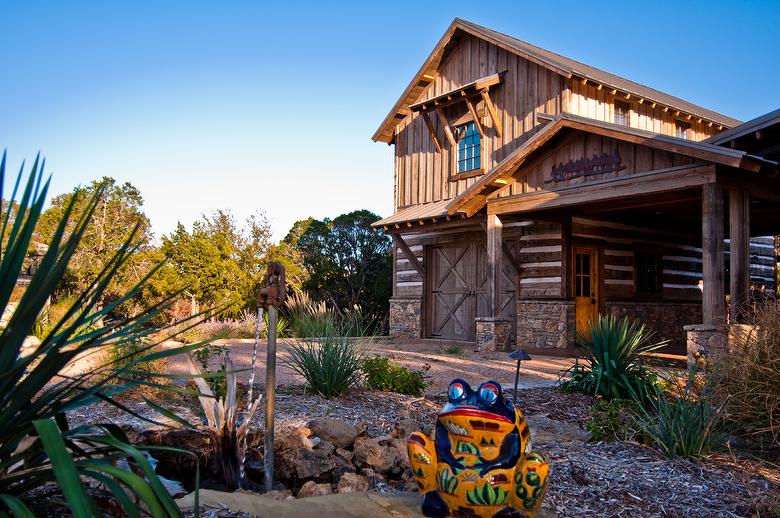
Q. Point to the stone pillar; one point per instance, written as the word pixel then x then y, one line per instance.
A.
pixel 739 253
pixel 713 307
pixel 492 333
pixel 405 317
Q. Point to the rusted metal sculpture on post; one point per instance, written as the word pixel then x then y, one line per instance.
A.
pixel 272 297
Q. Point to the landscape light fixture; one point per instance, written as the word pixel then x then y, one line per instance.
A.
pixel 519 355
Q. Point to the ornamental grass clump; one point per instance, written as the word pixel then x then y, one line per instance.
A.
pixel 752 377
pixel 326 355
pixel 689 422
pixel 613 366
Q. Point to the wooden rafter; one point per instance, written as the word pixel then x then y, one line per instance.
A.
pixel 400 243
pixel 434 136
pixel 492 111
pixel 456 95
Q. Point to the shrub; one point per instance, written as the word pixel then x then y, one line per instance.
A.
pixel 691 423
pixel 325 356
pixel 214 329
pixel 752 377
pixel 613 366
pixel 37 447
pixel 613 420
pixel 384 374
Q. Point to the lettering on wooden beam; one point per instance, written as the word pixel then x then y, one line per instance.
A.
pixel 606 163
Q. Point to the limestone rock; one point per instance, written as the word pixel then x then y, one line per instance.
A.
pixel 404 428
pixel 376 453
pixel 337 432
pixel 306 463
pixel 311 488
pixel 347 455
pixel 544 429
pixel 350 482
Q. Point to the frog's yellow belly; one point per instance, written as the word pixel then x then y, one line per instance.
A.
pixel 483 496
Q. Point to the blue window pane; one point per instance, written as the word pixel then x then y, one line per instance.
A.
pixel 468 147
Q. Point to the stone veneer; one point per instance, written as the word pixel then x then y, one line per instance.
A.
pixel 492 333
pixel 715 341
pixel 406 317
pixel 665 319
pixel 544 323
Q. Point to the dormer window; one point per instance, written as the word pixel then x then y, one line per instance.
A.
pixel 620 114
pixel 681 129
pixel 467 136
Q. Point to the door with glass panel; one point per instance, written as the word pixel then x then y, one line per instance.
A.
pixel 586 286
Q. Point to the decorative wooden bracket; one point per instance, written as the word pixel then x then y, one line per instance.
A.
pixel 400 243
pixel 492 111
pixel 446 125
pixel 476 117
pixel 512 259
pixel 434 136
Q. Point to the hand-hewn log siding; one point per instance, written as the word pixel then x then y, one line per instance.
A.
pixel 423 173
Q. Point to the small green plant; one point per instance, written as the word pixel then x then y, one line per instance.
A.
pixel 384 374
pixel 446 482
pixel 326 356
pixel 487 495
pixel 453 350
pixel 691 423
pixel 613 420
pixel 613 365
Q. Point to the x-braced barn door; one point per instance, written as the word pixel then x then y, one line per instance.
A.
pixel 452 291
pixel 457 290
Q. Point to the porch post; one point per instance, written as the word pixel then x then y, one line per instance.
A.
pixel 495 254
pixel 739 252
pixel 712 254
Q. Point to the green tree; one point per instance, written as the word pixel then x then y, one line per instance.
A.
pixel 218 261
pixel 347 261
pixel 117 212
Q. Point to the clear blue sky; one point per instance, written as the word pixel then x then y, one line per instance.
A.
pixel 258 105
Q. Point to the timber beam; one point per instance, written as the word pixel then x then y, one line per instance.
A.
pixel 401 244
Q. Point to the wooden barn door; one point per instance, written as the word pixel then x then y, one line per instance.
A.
pixel 452 291
pixel 457 291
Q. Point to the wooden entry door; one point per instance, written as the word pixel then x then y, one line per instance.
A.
pixel 586 287
pixel 452 291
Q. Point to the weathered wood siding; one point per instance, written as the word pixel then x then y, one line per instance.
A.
pixel 589 101
pixel 423 175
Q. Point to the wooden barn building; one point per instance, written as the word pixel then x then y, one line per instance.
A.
pixel 533 192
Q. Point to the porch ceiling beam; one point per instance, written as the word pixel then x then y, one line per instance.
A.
pixel 401 244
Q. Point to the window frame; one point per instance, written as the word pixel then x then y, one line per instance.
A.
pixel 685 124
pixel 615 103
pixel 456 175
pixel 659 291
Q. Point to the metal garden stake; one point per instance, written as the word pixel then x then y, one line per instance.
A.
pixel 519 355
pixel 271 296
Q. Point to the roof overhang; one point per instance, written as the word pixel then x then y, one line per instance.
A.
pixel 508 170
pixel 562 65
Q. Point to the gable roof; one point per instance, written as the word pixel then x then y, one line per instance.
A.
pixel 475 197
pixel 567 67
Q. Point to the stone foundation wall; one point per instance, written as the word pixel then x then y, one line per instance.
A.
pixel 492 333
pixel 715 342
pixel 545 323
pixel 665 319
pixel 406 317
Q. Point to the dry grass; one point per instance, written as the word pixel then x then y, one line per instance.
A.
pixel 753 377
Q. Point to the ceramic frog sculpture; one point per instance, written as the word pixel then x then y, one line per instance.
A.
pixel 480 461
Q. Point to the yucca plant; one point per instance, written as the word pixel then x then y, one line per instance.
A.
pixel 612 350
pixel 691 421
pixel 36 444
pixel 222 418
pixel 326 356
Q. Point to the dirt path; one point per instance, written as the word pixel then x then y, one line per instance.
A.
pixel 446 361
